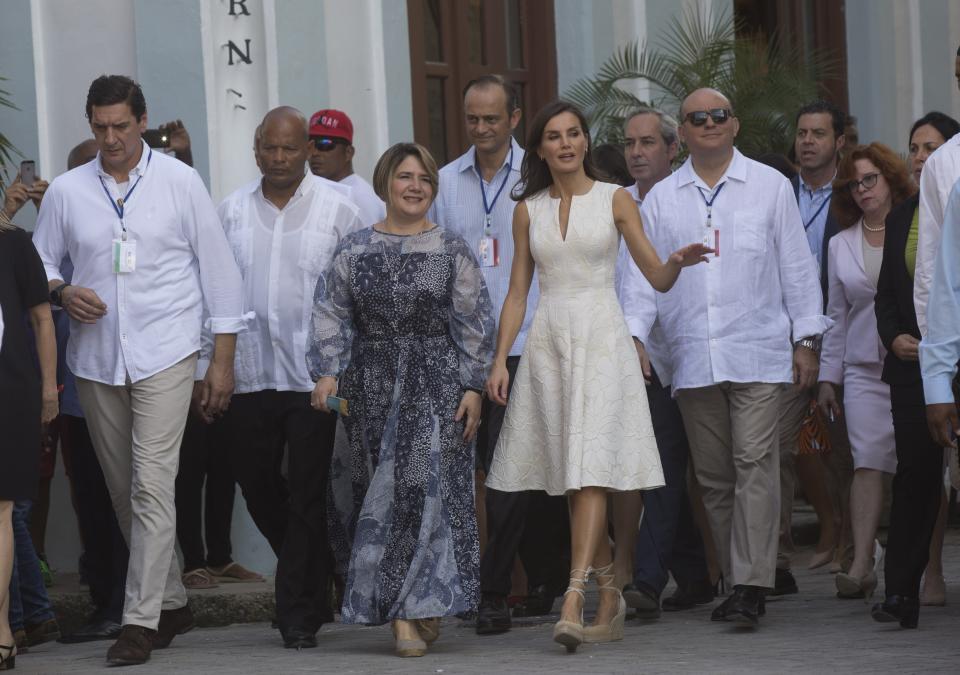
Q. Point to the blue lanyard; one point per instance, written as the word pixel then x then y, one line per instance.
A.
pixel 121 202
pixel 488 208
pixel 711 200
pixel 806 225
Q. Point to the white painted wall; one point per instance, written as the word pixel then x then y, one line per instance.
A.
pixel 74 42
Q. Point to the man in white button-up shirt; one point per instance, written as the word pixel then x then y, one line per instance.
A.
pixel 148 254
pixel 284 228
pixel 729 325
pixel 474 201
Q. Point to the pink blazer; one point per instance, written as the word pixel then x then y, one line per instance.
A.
pixel 853 339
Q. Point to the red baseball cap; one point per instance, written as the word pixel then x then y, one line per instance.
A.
pixel 332 124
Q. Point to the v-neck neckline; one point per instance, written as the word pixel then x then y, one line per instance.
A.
pixel 558 200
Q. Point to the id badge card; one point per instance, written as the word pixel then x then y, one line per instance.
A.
pixel 488 254
pixel 124 256
pixel 711 238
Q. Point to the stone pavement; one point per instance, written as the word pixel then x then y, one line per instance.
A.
pixel 810 632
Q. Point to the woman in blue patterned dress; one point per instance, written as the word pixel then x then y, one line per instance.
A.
pixel 403 325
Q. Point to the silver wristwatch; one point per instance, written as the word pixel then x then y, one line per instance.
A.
pixel 811 342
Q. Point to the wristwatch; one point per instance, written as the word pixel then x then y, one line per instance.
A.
pixel 56 295
pixel 811 342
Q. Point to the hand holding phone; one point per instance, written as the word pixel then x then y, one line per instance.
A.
pixel 340 405
pixel 28 172
pixel 156 138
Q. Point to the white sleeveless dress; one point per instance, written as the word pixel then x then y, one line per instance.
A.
pixel 577 415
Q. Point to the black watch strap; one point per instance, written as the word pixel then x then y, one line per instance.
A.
pixel 56 295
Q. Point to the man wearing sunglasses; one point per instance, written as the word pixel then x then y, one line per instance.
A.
pixel 729 325
pixel 331 157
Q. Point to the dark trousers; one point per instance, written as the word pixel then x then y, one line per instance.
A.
pixel 669 540
pixel 204 514
pixel 105 552
pixel 531 523
pixel 917 489
pixel 29 602
pixel 290 513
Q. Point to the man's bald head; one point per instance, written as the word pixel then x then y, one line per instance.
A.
pixel 82 153
pixel 285 115
pixel 704 99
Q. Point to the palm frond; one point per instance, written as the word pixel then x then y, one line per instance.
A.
pixel 7 148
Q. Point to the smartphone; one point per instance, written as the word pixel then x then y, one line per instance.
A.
pixel 339 405
pixel 28 172
pixel 156 138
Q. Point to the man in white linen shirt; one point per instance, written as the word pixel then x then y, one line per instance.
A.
pixel 331 157
pixel 940 172
pixel 148 253
pixel 729 327
pixel 284 228
pixel 474 201
pixel 668 541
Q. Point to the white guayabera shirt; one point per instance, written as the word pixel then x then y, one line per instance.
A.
pixel 281 254
pixel 731 320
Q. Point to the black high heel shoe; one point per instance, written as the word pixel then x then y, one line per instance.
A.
pixel 897 608
pixel 9 661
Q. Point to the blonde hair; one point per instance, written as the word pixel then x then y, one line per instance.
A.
pixel 393 157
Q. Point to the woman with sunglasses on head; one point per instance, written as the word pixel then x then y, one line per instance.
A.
pixel 918 511
pixel 870 180
pixel 577 422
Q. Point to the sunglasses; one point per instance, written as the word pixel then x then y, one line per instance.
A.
pixel 699 117
pixel 866 182
pixel 324 144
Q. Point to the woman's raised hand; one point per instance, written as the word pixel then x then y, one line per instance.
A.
pixel 690 255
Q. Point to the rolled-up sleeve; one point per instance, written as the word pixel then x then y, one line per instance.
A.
pixel 799 276
pixel 48 238
pixel 219 275
pixel 940 348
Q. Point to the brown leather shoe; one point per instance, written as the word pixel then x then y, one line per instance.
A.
pixel 173 622
pixel 132 648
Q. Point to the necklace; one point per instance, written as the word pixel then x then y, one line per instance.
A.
pixel 873 229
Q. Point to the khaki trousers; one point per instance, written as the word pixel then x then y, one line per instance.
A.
pixel 136 431
pixel 794 403
pixel 733 433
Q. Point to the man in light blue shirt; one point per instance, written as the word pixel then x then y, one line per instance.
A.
pixel 940 348
pixel 474 201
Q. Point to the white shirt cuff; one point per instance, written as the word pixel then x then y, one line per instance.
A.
pixel 937 389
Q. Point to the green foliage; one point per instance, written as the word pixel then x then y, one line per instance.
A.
pixel 6 147
pixel 766 80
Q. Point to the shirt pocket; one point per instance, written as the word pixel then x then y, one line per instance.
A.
pixel 316 251
pixel 750 233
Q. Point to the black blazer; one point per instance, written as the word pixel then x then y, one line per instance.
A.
pixel 830 228
pixel 894 303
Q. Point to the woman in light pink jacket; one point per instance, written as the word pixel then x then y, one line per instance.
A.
pixel 870 180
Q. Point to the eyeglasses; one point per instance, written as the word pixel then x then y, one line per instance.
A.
pixel 866 182
pixel 324 144
pixel 699 117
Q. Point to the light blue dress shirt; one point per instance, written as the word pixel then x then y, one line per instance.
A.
pixel 814 207
pixel 940 348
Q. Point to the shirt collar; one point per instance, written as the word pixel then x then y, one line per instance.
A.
pixel 826 187
pixel 468 160
pixel 634 192
pixel 135 171
pixel 305 186
pixel 736 171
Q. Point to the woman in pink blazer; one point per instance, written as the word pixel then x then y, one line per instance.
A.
pixel 870 180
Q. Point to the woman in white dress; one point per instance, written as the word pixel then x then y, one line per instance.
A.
pixel 577 422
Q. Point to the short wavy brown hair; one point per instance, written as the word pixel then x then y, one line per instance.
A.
pixel 893 169
pixel 392 158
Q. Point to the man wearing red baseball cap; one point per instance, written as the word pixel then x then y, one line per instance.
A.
pixel 331 157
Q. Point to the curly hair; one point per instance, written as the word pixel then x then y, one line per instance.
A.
pixel 892 168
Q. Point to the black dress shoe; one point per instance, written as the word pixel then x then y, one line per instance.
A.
pixel 539 601
pixel 98 629
pixel 897 608
pixel 689 596
pixel 784 583
pixel 644 600
pixel 493 616
pixel 132 648
pixel 299 638
pixel 744 607
pixel 173 622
